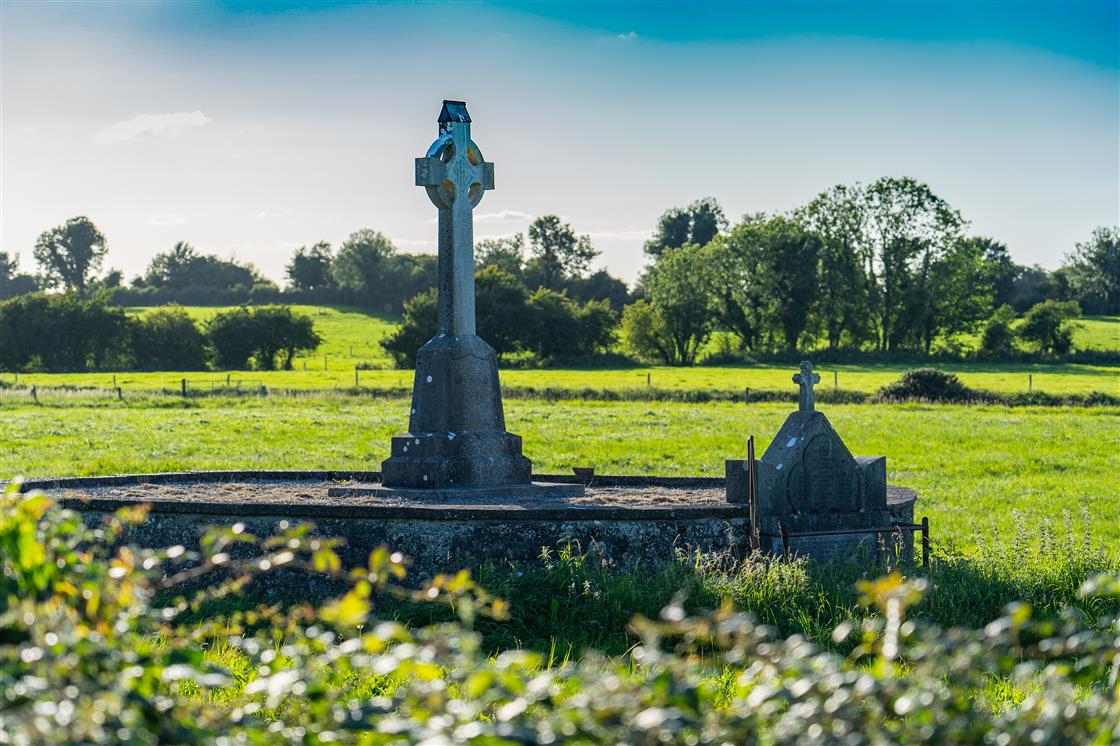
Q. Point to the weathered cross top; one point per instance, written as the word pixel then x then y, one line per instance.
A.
pixel 455 176
pixel 806 378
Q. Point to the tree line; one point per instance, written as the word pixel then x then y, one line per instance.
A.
pixel 888 267
pixel 65 332
pixel 885 267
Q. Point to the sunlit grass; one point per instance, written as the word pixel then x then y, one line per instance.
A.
pixel 972 465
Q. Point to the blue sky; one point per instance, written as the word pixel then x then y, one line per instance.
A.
pixel 250 129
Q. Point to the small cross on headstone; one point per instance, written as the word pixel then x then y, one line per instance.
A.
pixel 806 378
pixel 455 177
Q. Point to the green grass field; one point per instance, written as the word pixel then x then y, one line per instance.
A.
pixel 351 336
pixel 1097 333
pixel 976 468
pixel 1000 377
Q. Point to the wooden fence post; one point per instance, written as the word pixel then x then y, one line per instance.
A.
pixel 183 386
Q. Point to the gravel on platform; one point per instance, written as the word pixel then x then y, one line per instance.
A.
pixel 315 493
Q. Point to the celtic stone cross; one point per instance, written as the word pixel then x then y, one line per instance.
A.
pixel 806 378
pixel 455 176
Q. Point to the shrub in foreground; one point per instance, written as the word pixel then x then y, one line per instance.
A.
pixel 91 651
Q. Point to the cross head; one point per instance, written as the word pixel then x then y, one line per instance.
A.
pixel 455 176
pixel 453 171
pixel 806 378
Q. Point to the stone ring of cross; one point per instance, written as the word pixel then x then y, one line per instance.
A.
pixel 454 167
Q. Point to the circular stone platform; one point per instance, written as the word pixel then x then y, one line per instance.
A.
pixel 626 518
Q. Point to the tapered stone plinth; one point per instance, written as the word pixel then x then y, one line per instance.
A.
pixel 457 432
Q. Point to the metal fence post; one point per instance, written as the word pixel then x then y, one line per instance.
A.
pixel 925 541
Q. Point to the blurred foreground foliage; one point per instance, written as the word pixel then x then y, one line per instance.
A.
pixel 91 651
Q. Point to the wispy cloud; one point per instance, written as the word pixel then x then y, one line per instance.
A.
pixel 628 36
pixel 503 216
pixel 162 221
pixel 150 125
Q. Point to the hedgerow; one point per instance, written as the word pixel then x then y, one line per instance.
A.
pixel 102 641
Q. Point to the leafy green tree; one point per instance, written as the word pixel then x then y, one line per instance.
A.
pixel 280 331
pixel 736 296
pixel 839 218
pixel 239 335
pixel 1002 271
pixel 62 333
pixel 499 299
pixel 1094 269
pixel 558 327
pixel 12 282
pixel 310 267
pixel 1046 327
pixel 417 327
pixel 184 267
pixel 231 335
pixel 787 262
pixel 70 254
pixel 957 292
pixel 908 227
pixel 168 339
pixel 698 223
pixel 998 338
pixel 506 253
pixel 678 291
pixel 763 276
pixel 644 334
pixel 558 253
pixel 599 286
pixel 362 264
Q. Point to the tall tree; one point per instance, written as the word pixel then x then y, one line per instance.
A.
pixel 1002 271
pixel 310 267
pixel 506 253
pixel 71 254
pixel 362 264
pixel 957 293
pixel 787 262
pixel 558 253
pixel 1094 269
pixel 738 299
pixel 12 282
pixel 908 227
pixel 839 217
pixel 679 294
pixel 698 223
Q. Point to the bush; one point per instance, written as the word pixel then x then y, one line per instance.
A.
pixel 998 338
pixel 548 324
pixel 168 339
pixel 926 384
pixel 62 333
pixel 1045 326
pixel 240 334
pixel 103 641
